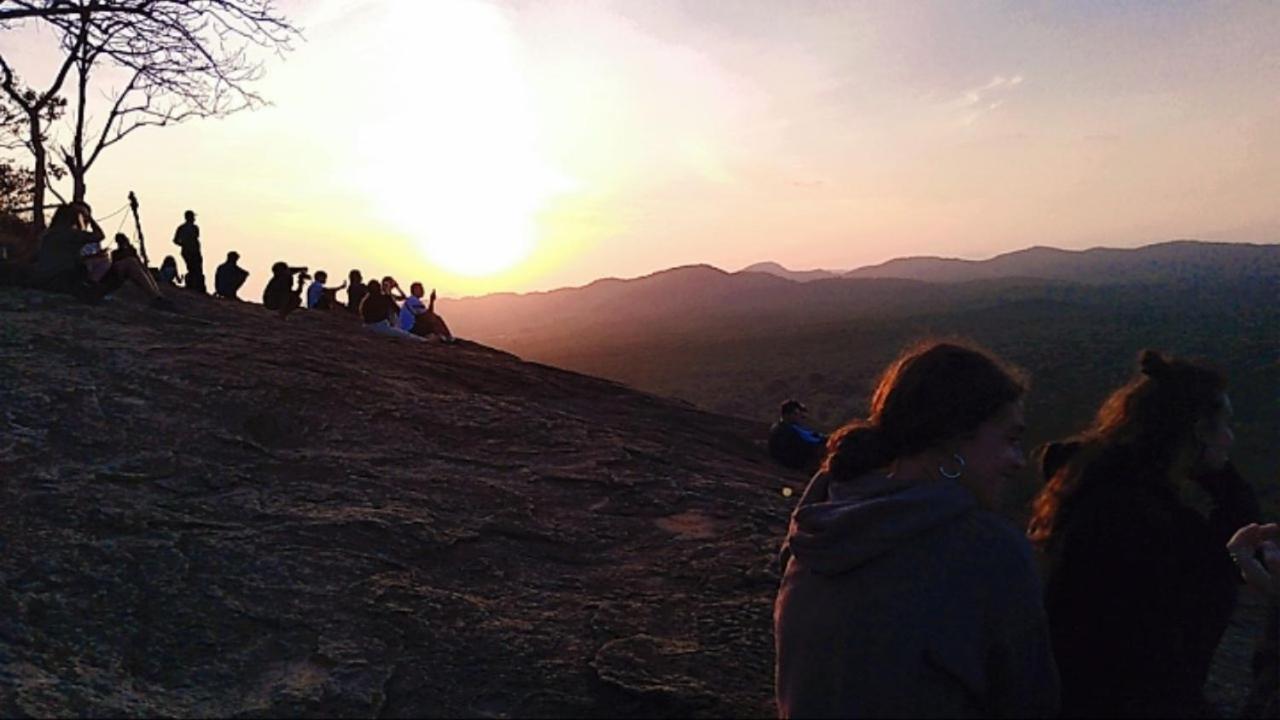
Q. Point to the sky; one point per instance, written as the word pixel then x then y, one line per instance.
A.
pixel 516 146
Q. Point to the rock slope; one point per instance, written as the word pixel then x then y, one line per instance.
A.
pixel 220 513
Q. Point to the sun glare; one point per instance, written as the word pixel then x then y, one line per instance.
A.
pixel 451 156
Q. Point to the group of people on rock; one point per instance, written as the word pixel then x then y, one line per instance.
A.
pixel 904 594
pixel 382 306
pixel 71 259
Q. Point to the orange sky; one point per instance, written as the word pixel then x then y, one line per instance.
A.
pixel 527 145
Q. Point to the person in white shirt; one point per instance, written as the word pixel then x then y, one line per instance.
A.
pixel 420 318
pixel 320 297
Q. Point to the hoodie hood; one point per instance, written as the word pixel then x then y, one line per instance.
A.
pixel 839 526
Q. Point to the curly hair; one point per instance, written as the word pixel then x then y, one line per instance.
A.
pixel 1135 437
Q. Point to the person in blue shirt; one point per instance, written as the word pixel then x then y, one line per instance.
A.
pixel 792 443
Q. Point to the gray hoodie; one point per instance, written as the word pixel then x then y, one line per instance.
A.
pixel 908 601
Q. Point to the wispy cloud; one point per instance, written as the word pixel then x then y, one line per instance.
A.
pixel 978 101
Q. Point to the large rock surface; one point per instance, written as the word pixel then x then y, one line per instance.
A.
pixel 220 513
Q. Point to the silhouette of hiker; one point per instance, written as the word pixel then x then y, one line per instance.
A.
pixel 169 272
pixel 793 444
pixel 355 291
pixel 320 297
pixel 421 319
pixel 280 294
pixel 229 277
pixel 187 236
pixel 377 310
pixel 71 260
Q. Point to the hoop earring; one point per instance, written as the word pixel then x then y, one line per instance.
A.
pixel 959 470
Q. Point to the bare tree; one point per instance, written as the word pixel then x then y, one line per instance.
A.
pixel 178 59
pixel 38 110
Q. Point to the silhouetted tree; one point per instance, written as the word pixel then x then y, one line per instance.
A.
pixel 182 59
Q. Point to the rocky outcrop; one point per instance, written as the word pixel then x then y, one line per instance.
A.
pixel 222 513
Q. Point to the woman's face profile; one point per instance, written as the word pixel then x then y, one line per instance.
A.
pixel 993 454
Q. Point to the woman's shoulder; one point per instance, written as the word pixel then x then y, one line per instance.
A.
pixel 996 544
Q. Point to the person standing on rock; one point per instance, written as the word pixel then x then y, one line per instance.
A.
pixel 903 594
pixel 187 237
pixel 1134 522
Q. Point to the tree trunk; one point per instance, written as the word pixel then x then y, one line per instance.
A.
pixel 41 170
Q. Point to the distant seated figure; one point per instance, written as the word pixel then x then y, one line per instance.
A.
pixel 355 291
pixel 169 272
pixel 280 294
pixel 376 311
pixel 320 297
pixel 420 318
pixel 229 277
pixel 71 260
pixel 791 443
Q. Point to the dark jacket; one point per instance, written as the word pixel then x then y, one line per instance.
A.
pixel 1139 592
pixel 908 601
pixel 795 446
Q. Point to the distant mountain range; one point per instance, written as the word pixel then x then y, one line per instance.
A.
pixel 773 268
pixel 1164 262
pixel 1177 260
pixel 701 296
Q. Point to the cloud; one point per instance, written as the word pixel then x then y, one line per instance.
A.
pixel 980 100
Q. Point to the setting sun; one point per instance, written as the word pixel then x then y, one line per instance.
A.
pixel 452 157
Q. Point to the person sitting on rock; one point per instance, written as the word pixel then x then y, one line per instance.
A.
pixel 169 272
pixel 320 297
pixel 229 277
pixel 376 311
pixel 280 294
pixel 70 260
pixel 420 318
pixel 793 444
pixel 355 291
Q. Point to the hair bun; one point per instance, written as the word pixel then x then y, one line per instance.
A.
pixel 1153 364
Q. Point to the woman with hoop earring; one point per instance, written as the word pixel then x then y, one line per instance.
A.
pixel 903 593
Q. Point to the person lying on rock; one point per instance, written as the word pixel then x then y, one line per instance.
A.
pixel 792 443
pixel 280 295
pixel 320 297
pixel 71 260
pixel 420 318
pixel 376 310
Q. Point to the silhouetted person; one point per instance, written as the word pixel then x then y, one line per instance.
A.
pixel 187 236
pixel 420 318
pixel 376 311
pixel 169 272
pixel 903 594
pixel 355 291
pixel 1140 585
pixel 230 277
pixel 71 260
pixel 320 297
pixel 280 294
pixel 792 443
